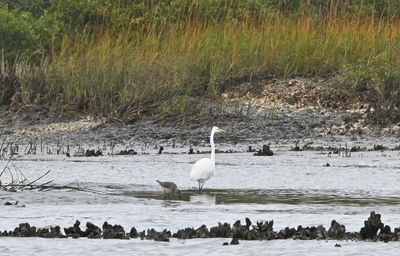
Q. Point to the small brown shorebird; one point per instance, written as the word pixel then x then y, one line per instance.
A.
pixel 169 188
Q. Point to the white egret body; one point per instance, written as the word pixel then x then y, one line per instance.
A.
pixel 204 169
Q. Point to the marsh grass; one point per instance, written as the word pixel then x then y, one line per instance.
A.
pixel 162 67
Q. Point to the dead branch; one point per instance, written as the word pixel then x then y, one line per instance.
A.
pixel 16 180
pixel 5 167
pixel 30 183
pixel 60 187
pixel 47 182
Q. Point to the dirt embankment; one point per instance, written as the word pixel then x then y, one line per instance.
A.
pixel 277 111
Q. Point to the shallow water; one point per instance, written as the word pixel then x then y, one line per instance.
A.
pixel 292 188
pixel 67 247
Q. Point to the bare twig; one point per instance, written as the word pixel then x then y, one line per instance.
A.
pixel 30 183
pixel 59 187
pixel 5 167
pixel 18 181
pixel 47 182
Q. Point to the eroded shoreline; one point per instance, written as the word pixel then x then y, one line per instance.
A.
pixel 276 111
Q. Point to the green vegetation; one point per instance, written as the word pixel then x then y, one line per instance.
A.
pixel 120 57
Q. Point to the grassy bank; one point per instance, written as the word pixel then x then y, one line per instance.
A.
pixel 162 64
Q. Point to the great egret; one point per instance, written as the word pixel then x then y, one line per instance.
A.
pixel 204 169
pixel 169 188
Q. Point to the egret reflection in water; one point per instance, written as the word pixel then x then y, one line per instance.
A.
pixel 203 199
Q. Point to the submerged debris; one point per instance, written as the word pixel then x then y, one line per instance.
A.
pixel 266 151
pixel 336 231
pixel 113 232
pixel 371 227
pixel 133 233
pixel 92 152
pixel 162 236
pixel 74 231
pixel 127 152
pixel 250 149
pixel 234 241
pixel 24 230
pixel 17 203
pixel 296 146
pixel 379 147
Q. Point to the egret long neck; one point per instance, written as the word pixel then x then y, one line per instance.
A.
pixel 212 147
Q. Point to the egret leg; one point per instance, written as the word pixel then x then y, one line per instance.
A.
pixel 199 186
pixel 202 184
pixel 165 196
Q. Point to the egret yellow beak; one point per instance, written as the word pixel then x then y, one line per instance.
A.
pixel 222 130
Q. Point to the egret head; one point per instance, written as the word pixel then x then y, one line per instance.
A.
pixel 216 129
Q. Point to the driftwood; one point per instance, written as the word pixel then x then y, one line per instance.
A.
pixel 17 181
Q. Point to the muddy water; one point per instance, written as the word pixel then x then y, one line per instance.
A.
pixel 292 188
